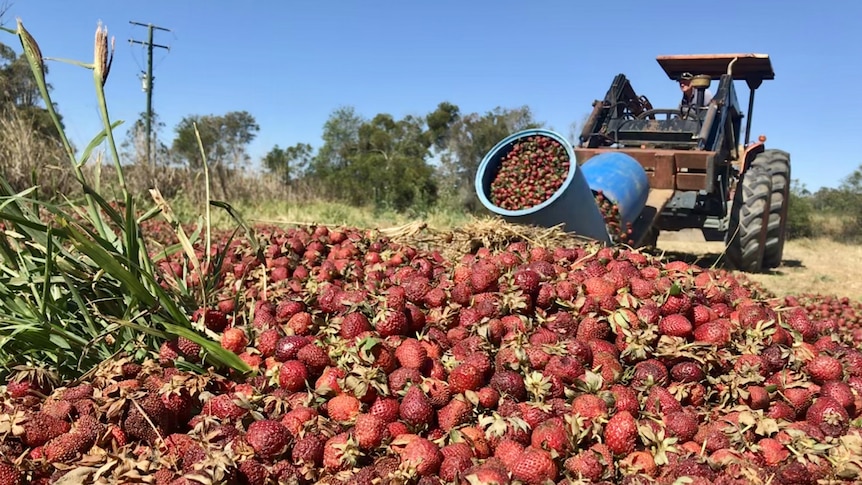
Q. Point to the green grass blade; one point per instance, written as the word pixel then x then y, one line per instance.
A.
pixel 109 263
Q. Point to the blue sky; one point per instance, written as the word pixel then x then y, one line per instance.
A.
pixel 290 64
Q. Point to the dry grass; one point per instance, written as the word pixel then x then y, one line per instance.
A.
pixel 820 266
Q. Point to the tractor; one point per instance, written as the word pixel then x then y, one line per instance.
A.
pixel 698 171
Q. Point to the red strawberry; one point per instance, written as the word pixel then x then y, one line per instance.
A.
pixel 829 415
pixel 535 467
pixel 213 319
pixel 716 332
pixel 391 322
pixel 625 399
pixel 385 408
pixel 369 431
pixel 419 453
pixel 411 354
pixel 551 435
pixel 824 368
pixel 292 375
pixel 234 339
pixel 416 408
pixel 353 324
pixel 465 377
pixel 268 438
pixel 687 372
pixel 343 407
pixel 773 451
pixel 621 432
pixel 454 414
pixel 267 341
pixel 675 325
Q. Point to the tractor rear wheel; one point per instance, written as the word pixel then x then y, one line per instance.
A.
pixel 749 214
pixel 777 163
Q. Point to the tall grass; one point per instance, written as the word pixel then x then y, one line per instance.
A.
pixel 77 281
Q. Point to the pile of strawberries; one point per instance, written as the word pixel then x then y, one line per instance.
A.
pixel 530 173
pixel 621 233
pixel 379 362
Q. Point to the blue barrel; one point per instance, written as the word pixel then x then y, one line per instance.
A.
pixel 572 205
pixel 621 179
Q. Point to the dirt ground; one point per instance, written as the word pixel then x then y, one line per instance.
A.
pixel 810 265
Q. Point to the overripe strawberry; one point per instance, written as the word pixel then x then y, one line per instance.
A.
pixel 268 438
pixel 621 433
pixel 829 415
pixel 234 339
pixel 416 409
pixel 535 467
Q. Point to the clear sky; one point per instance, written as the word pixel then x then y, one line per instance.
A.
pixel 290 64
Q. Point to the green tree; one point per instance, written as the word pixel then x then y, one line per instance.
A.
pixel 225 139
pixel 288 163
pixel 381 161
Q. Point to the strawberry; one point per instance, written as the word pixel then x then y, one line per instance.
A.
pixel 527 281
pixel 268 438
pixel 188 349
pixel 621 432
pixel 253 472
pixel 338 453
pixel 369 431
pixel 716 332
pixel 292 375
pixel 300 323
pixel 625 399
pixel 267 341
pixel 586 464
pixel 343 407
pixel 391 322
pixel 9 474
pixel 675 325
pixel 509 383
pixel 214 320
pixel 551 435
pixel 773 451
pixel 534 467
pixel 419 453
pixel 385 408
pixel 288 347
pixel 465 377
pixel 681 424
pixel 824 368
pixel 308 450
pixel 234 339
pixel 829 415
pixel 416 409
pixel 314 357
pixel 589 406
pixel 411 354
pixel 353 324
pixel 649 372
pixel 687 371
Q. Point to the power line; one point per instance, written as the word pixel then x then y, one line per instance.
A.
pixel 148 79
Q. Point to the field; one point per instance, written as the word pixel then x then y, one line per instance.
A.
pixel 175 343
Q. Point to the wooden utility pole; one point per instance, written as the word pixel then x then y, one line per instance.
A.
pixel 148 80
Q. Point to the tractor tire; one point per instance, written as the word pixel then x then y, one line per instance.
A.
pixel 777 163
pixel 749 214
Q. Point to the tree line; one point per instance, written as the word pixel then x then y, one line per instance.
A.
pixel 412 163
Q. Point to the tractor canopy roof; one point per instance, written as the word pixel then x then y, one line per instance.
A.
pixel 743 67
